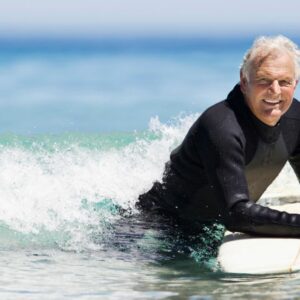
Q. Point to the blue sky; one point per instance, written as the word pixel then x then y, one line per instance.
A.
pixel 148 17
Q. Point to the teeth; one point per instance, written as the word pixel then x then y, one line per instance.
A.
pixel 270 101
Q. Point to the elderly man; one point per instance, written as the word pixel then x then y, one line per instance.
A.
pixel 237 147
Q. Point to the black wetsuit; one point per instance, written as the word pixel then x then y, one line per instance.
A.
pixel 224 164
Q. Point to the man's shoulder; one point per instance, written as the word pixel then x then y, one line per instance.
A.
pixel 218 114
pixel 224 111
pixel 218 124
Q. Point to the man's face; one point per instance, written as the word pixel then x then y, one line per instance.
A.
pixel 270 88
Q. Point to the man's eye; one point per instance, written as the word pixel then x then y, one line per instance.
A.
pixel 263 81
pixel 282 83
pixel 285 83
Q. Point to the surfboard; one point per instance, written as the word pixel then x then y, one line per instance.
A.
pixel 245 254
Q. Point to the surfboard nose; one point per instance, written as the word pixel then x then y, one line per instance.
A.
pixel 254 255
pixel 245 254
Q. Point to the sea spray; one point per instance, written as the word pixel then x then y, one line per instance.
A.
pixel 56 187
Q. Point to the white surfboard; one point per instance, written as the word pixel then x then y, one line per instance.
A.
pixel 242 253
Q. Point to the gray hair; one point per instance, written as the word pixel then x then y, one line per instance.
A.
pixel 265 46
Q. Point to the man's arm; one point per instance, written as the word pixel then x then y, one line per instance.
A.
pixel 248 217
pixel 225 167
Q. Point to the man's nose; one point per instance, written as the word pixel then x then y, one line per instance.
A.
pixel 275 87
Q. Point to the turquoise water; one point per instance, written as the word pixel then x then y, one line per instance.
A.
pixel 86 128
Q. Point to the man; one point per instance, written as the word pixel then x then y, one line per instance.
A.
pixel 237 147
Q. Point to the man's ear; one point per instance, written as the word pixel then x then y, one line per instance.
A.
pixel 243 82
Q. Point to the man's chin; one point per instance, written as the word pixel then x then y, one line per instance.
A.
pixel 271 117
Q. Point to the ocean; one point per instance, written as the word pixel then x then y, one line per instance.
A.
pixel 86 126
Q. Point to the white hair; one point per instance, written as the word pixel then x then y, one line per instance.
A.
pixel 266 46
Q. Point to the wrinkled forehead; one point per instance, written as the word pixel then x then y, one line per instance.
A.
pixel 269 56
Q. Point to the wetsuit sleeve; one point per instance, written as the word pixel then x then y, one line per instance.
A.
pixel 252 218
pixel 223 158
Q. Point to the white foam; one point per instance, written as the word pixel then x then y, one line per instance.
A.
pixel 45 190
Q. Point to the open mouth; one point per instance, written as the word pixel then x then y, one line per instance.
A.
pixel 271 101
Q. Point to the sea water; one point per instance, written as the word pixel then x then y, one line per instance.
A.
pixel 86 127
